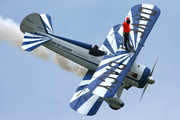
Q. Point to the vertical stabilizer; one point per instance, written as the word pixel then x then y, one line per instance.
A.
pixel 34 26
pixel 33 23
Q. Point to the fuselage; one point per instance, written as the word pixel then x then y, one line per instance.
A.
pixel 75 51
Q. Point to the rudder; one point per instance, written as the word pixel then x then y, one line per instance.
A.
pixel 47 22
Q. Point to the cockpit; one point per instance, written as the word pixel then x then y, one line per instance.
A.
pixel 96 52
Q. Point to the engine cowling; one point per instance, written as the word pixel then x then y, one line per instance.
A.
pixel 138 75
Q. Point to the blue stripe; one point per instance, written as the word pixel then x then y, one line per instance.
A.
pixel 42 40
pixel 95 107
pixel 108 46
pixel 101 67
pixel 112 68
pixel 88 75
pixel 33 47
pixel 80 101
pixel 81 44
pixel 30 42
pixel 49 19
pixel 81 88
pixel 48 29
pixel 31 37
pixel 118 37
pixel 135 9
pixel 119 40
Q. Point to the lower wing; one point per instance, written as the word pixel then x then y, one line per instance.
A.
pixel 84 101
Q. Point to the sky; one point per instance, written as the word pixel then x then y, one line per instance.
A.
pixel 33 87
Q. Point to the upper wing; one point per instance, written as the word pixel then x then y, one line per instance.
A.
pixel 143 18
pixel 113 68
pixel 113 40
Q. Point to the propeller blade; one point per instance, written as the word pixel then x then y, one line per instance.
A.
pixel 153 68
pixel 144 91
pixel 150 79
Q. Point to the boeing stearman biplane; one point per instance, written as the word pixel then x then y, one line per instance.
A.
pixel 110 68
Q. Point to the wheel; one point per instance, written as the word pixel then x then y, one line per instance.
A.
pixel 114 108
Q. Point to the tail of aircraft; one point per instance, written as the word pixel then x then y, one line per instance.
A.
pixel 35 27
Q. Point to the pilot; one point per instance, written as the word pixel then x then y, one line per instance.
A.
pixel 126 30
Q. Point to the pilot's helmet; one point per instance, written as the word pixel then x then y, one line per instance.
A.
pixel 128 20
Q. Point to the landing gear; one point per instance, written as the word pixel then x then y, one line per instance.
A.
pixel 114 108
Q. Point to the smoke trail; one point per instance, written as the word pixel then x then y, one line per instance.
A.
pixel 68 66
pixel 10 32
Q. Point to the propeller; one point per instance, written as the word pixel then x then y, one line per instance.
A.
pixel 150 80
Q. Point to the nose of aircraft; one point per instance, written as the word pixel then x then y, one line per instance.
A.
pixel 150 80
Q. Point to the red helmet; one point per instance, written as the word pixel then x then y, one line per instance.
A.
pixel 128 20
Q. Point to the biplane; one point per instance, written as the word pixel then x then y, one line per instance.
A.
pixel 110 68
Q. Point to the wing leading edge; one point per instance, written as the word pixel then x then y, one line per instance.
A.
pixel 113 68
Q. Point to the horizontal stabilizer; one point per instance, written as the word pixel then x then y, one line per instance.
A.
pixel 33 40
pixel 83 101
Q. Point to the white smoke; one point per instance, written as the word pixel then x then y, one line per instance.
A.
pixel 69 66
pixel 10 32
